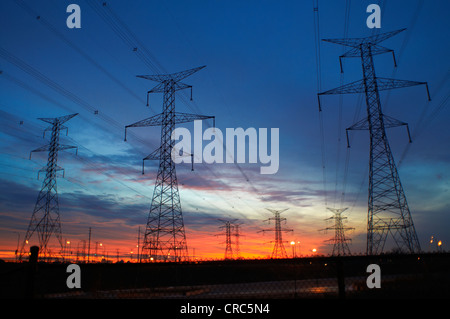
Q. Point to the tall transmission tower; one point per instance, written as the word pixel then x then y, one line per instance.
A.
pixel 388 211
pixel 231 229
pixel 237 235
pixel 45 220
pixel 340 246
pixel 165 238
pixel 278 249
pixel 228 229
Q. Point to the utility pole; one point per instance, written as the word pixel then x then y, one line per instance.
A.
pixel 388 211
pixel 139 245
pixel 278 249
pixel 165 238
pixel 340 246
pixel 45 220
pixel 89 245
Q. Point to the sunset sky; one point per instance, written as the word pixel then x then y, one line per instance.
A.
pixel 261 73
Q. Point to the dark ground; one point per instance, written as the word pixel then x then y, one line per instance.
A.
pixel 402 276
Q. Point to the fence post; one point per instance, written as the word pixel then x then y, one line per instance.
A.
pixel 32 265
pixel 341 279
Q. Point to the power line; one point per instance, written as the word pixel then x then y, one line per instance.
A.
pixel 319 88
pixel 120 28
pixel 56 87
pixel 73 46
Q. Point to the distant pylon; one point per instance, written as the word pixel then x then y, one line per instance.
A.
pixel 278 249
pixel 388 211
pixel 231 229
pixel 45 220
pixel 227 227
pixel 340 246
pixel 165 238
pixel 237 235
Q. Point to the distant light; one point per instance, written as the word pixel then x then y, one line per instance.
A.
pixel 439 243
pixel 292 242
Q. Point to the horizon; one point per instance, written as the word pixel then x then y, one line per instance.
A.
pixel 260 73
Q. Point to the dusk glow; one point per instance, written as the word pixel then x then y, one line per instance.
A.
pixel 260 73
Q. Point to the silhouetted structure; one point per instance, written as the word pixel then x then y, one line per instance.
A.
pixel 340 246
pixel 278 249
pixel 231 229
pixel 165 237
pixel 388 211
pixel 45 220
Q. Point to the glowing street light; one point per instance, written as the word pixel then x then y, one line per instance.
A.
pixel 293 248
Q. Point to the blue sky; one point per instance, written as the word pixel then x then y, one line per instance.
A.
pixel 261 72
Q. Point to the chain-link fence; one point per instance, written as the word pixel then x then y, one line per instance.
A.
pixel 400 276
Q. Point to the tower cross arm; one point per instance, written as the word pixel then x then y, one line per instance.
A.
pixel 174 76
pixel 154 120
pixel 372 40
pixel 40 149
pixel 188 117
pixel 353 87
pixel 46 148
pixel 61 119
pixel 382 85
pixel 158 120
pixel 388 84
pixel 63 147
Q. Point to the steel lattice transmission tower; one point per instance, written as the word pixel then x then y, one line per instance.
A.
pixel 231 229
pixel 237 235
pixel 165 237
pixel 388 211
pixel 45 220
pixel 278 249
pixel 227 227
pixel 340 246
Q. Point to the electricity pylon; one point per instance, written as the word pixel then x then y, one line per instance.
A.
pixel 340 246
pixel 165 237
pixel 278 249
pixel 388 211
pixel 231 229
pixel 227 227
pixel 45 220
pixel 237 235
